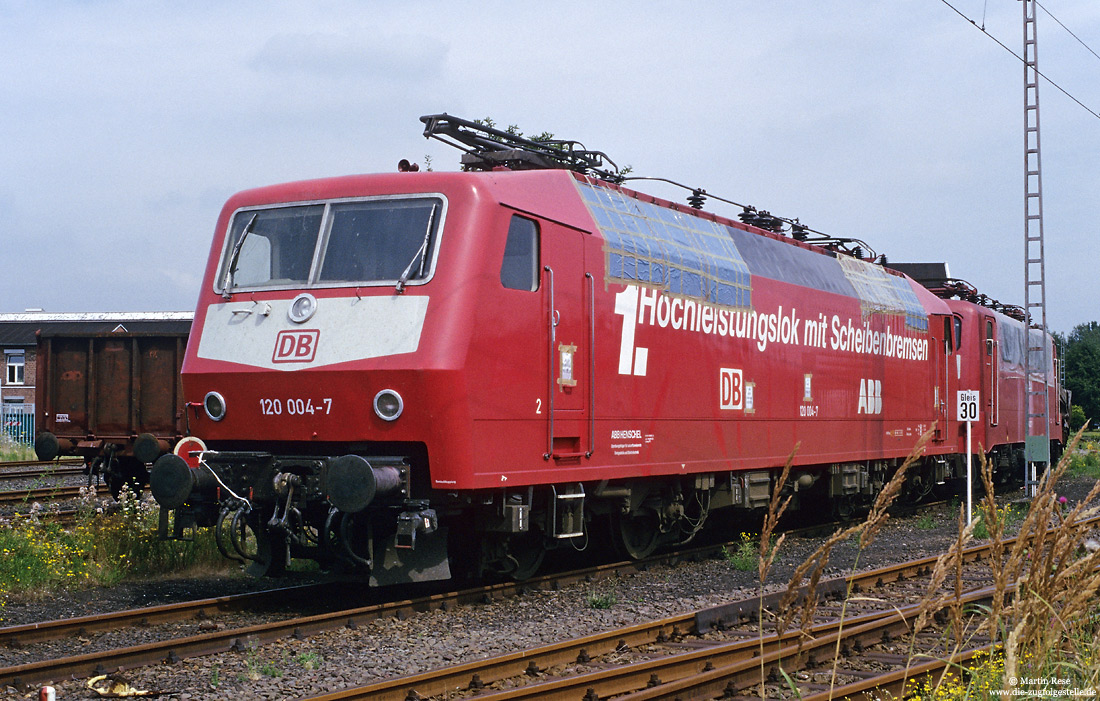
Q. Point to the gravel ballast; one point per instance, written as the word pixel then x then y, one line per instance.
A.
pixel 350 657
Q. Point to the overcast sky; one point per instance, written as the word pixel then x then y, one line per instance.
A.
pixel 126 125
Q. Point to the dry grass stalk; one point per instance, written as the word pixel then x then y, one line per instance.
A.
pixel 805 606
pixel 776 508
pixel 889 493
pixel 1056 584
pixel 956 603
pixel 767 553
pixel 867 530
pixel 1045 586
pixel 934 599
pixel 996 541
pixel 818 560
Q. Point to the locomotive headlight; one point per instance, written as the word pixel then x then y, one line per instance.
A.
pixel 302 308
pixel 388 405
pixel 214 404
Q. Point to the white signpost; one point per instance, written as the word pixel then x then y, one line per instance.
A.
pixel 967 410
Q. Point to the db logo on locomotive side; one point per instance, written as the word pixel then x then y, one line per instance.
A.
pixel 297 346
pixel 731 389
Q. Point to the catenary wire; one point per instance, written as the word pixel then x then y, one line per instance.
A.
pixel 1051 14
pixel 1021 60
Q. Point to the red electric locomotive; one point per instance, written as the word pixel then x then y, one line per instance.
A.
pixel 399 373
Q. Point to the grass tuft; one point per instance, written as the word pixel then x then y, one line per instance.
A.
pixel 106 544
pixel 13 450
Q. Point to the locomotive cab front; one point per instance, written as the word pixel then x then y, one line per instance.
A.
pixel 313 376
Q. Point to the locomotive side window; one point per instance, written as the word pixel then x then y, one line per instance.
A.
pixel 277 250
pixel 520 268
pixel 958 333
pixel 380 241
pixel 989 337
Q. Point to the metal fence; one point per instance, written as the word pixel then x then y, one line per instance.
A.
pixel 17 422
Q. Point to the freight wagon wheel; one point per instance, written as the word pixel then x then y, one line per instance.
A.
pixel 636 535
pixel 125 471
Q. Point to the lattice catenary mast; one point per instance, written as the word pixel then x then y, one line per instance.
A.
pixel 1036 401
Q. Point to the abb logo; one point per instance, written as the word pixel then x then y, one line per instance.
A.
pixel 296 346
pixel 870 397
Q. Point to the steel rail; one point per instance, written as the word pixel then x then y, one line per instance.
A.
pixel 62 471
pixel 745 674
pixel 40 463
pixel 897 681
pixel 30 633
pixel 243 638
pixel 60 493
pixel 449 679
pixel 477 674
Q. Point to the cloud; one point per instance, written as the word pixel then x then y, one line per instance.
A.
pixel 393 58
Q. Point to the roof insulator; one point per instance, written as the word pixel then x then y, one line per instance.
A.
pixel 697 197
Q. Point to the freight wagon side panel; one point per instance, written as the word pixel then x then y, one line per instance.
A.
pixel 64 385
pixel 111 386
pixel 158 385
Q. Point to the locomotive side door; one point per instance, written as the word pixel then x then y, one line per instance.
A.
pixel 567 303
pixel 942 368
pixel 989 370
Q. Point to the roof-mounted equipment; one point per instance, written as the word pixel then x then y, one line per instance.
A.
pixel 486 148
pixel 939 282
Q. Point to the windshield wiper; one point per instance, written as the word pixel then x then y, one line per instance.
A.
pixel 226 294
pixel 421 255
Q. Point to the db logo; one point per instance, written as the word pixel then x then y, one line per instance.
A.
pixel 731 391
pixel 296 346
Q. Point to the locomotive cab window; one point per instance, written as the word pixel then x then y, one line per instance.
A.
pixel 372 241
pixel 520 268
pixel 380 241
pixel 271 247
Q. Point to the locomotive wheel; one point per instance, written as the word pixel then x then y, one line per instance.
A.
pixel 843 507
pixel 636 535
pixel 254 542
pixel 222 530
pixel 527 552
pixel 918 484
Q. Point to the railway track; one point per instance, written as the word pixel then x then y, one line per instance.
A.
pixel 725 652
pixel 616 662
pixel 242 638
pixel 61 493
pixel 250 636
pixel 39 464
pixel 42 472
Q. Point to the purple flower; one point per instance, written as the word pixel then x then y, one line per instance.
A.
pixel 1062 500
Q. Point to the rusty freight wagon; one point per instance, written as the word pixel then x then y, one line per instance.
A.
pixel 109 391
